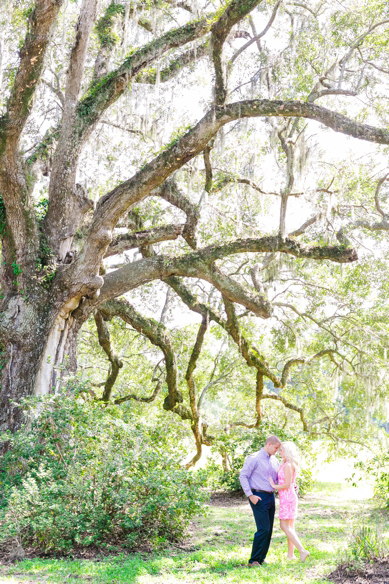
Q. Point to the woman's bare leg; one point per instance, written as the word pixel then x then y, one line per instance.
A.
pixel 286 523
pixel 293 537
pixel 290 542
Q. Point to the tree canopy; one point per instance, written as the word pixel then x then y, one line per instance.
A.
pixel 226 160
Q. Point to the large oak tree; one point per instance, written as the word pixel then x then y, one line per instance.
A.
pixel 52 273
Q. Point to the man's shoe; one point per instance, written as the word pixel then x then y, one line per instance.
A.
pixel 254 565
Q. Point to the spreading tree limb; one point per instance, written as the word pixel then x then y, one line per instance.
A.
pixel 145 400
pixel 40 28
pixel 201 264
pixel 22 245
pixel 196 423
pixel 158 336
pixel 127 241
pixel 288 405
pixel 116 363
pixel 115 203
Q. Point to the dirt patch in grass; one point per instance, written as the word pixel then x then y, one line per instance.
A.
pixel 9 554
pixel 225 499
pixel 376 572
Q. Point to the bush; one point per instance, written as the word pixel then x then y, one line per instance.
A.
pixel 376 468
pixel 381 488
pixel 79 474
pixel 305 481
pixel 367 544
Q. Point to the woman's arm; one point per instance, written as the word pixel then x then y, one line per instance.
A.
pixel 288 471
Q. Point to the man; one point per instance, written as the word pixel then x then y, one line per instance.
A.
pixel 254 479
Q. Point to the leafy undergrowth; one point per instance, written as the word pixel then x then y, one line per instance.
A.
pixel 218 547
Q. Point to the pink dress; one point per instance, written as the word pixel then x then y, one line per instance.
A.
pixel 288 497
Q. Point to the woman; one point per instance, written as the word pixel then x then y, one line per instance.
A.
pixel 286 488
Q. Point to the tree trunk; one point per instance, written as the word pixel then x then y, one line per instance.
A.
pixel 35 349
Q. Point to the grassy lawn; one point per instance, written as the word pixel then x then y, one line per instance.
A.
pixel 219 547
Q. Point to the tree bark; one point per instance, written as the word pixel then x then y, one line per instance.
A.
pixel 35 343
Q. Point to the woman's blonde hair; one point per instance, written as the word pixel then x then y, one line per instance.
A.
pixel 291 455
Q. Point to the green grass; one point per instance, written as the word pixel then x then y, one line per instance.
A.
pixel 219 546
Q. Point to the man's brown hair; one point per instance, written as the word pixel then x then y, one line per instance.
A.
pixel 273 440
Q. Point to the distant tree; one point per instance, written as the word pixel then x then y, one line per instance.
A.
pixel 79 75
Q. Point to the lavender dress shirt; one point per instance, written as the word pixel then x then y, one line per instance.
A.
pixel 256 470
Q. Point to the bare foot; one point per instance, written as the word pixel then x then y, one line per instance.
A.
pixel 304 555
pixel 290 557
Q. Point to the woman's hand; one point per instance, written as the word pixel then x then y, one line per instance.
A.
pixel 272 483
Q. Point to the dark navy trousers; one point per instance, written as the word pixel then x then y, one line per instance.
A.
pixel 264 518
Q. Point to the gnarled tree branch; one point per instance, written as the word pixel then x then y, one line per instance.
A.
pixel 290 406
pixel 173 195
pixel 158 336
pixel 257 37
pixel 116 364
pixel 144 400
pixel 201 264
pixel 196 423
pixel 127 241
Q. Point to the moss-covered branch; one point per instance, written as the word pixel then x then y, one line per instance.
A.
pixel 259 387
pixel 201 264
pixel 249 352
pixel 106 345
pixel 107 37
pixel 108 89
pixel 196 423
pixel 144 400
pixel 127 241
pixel 158 336
pixel 234 12
pixel 173 195
pixel 32 53
pixel 175 66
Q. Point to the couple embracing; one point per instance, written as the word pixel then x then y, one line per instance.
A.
pixel 260 477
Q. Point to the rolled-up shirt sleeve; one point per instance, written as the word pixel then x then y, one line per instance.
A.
pixel 245 475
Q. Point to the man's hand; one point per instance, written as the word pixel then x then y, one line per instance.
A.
pixel 254 499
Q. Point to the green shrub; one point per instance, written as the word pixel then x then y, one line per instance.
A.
pixel 305 481
pixel 381 488
pixel 367 544
pixel 81 474
pixel 376 468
